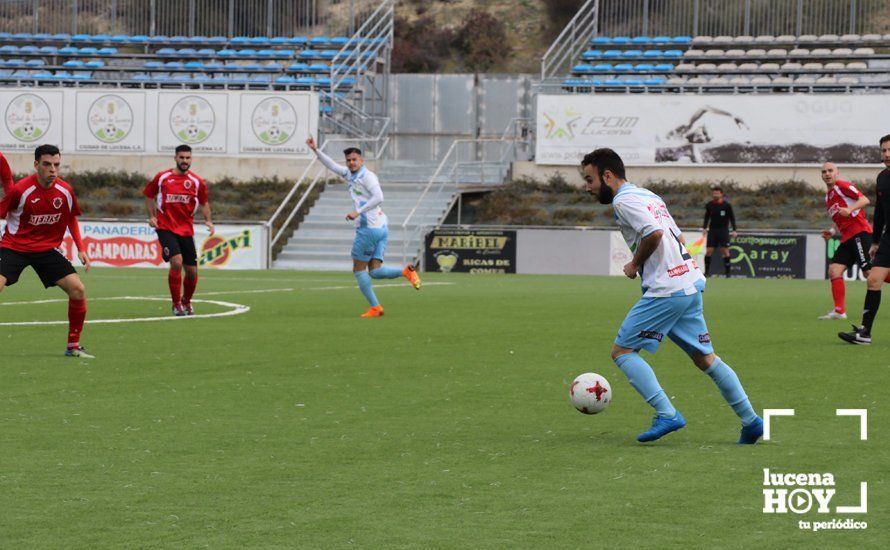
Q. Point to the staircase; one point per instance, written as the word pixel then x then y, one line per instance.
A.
pixel 324 239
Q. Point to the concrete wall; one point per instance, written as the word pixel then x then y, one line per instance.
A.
pixel 746 175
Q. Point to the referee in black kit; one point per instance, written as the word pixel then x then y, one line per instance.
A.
pixel 718 218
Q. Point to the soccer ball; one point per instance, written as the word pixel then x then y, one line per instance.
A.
pixel 590 393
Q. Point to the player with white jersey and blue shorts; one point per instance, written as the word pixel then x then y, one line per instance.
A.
pixel 371 233
pixel 671 305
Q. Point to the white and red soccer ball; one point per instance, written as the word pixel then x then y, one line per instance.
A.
pixel 590 393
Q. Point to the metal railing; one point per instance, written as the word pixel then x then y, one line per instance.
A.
pixel 185 17
pixel 372 148
pixel 474 169
pixel 571 41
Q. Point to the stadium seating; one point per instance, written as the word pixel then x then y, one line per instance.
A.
pixel 806 63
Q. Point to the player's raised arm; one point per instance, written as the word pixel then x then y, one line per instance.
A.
pixel 329 163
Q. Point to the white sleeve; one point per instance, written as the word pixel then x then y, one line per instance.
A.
pixel 372 184
pixel 329 163
pixel 635 214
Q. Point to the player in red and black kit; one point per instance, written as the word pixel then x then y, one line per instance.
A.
pixel 718 218
pixel 879 252
pixel 172 198
pixel 845 205
pixel 38 210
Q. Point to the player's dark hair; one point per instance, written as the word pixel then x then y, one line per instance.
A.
pixel 350 150
pixel 605 159
pixel 884 139
pixel 183 149
pixel 46 149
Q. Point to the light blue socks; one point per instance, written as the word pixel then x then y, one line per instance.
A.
pixel 386 273
pixel 731 390
pixel 364 284
pixel 642 378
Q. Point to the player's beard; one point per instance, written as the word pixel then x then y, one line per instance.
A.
pixel 605 194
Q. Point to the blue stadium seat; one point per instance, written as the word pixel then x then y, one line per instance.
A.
pixel 107 51
pixel 67 50
pixel 663 67
pixel 285 80
pixel 205 52
pixel 42 37
pixel 621 40
pixel 34 63
pixel 643 68
pixel 73 64
pixel 653 54
pixel 226 53
pixel 139 39
pixel 655 81
pixel 260 41
pixel 8 49
pixel 623 67
pixel 612 54
pixel 29 49
pixel 319 68
pixel 681 40
pixel 640 40
pixel 319 41
pixel 120 39
pixel 166 52
pixel 592 54
pixel 94 64
pixel 100 38
pixel 194 65
pixel 152 65
pixel 632 54
pixel 247 52
pixel 88 50
pixel 80 37
pixel 582 68
pixel 661 40
pixel 673 54
pixel 602 67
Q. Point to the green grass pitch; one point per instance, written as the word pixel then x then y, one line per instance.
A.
pixel 444 424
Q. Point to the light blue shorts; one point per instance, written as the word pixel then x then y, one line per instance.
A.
pixel 370 242
pixel 681 318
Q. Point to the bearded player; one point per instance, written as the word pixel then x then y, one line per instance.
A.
pixel 38 210
pixel 672 299
pixel 845 205
pixel 171 199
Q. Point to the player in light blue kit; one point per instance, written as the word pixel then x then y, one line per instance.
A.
pixel 371 233
pixel 672 299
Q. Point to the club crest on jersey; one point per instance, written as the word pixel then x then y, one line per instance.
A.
pixel 57 203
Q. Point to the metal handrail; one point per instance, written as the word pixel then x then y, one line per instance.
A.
pixel 579 30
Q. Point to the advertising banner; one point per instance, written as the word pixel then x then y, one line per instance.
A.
pixel 30 119
pixel 110 121
pixel 470 251
pixel 196 120
pixel 675 128
pixel 135 244
pixel 769 256
pixel 274 124
pixel 853 273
